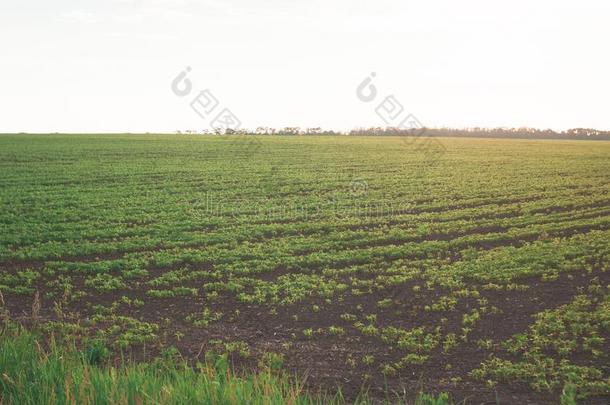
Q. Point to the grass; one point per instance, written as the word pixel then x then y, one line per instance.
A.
pixel 63 374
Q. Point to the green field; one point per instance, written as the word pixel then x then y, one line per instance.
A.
pixel 365 263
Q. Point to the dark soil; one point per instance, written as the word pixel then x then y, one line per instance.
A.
pixel 327 361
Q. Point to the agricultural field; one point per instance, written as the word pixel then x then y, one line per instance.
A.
pixel 367 264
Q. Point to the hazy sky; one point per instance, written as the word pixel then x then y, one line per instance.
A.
pixel 108 65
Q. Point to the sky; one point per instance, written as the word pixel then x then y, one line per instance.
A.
pixel 110 65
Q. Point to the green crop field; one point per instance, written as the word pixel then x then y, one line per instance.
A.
pixel 366 264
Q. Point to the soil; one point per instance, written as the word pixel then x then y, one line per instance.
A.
pixel 325 361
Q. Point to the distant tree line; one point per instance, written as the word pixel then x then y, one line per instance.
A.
pixel 265 131
pixel 474 132
pixel 477 132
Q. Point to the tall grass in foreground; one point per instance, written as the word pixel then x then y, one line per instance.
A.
pixel 63 375
pixel 30 374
